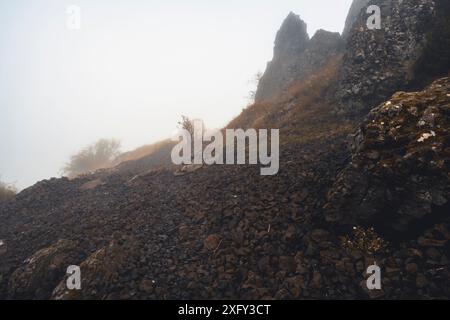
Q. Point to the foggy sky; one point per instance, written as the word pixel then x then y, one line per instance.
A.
pixel 130 72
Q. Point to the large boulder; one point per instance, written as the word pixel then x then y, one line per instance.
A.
pixel 99 272
pixel 41 272
pixel 399 174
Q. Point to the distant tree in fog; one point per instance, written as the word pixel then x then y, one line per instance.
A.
pixel 96 156
pixel 7 191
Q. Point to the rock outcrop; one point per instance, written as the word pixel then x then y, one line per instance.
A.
pixel 378 63
pixel 100 272
pixel 39 274
pixel 291 39
pixel 321 47
pixel 399 174
pixel 295 57
pixel 290 42
pixel 355 10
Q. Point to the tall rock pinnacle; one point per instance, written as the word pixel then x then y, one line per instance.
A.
pixel 292 38
pixel 295 56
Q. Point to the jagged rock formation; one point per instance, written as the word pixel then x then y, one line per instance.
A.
pixel 290 42
pixel 355 10
pixel 379 62
pixel 322 46
pixel 399 174
pixel 295 56
pixel 292 38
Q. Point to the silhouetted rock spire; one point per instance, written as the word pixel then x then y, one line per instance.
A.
pixel 295 56
pixel 292 38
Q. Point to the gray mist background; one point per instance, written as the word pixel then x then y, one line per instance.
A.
pixel 130 72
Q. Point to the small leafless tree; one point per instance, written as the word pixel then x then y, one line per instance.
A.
pixel 191 126
pixel 255 81
pixel 187 124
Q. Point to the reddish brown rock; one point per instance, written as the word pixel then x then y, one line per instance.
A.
pixel 211 242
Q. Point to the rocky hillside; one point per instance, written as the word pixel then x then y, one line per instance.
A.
pixel 359 184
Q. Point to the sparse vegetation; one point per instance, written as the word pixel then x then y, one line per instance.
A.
pixel 304 113
pixel 255 81
pixel 366 240
pixel 7 191
pixel 94 157
pixel 144 151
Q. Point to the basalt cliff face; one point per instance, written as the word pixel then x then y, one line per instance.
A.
pixel 407 52
pixel 399 56
pixel 296 56
pixel 355 10
pixel 364 176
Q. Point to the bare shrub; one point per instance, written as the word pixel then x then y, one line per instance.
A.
pixel 187 124
pixel 191 126
pixel 254 81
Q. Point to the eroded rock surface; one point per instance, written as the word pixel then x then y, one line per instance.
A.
pixel 399 173
pixel 37 276
pixel 296 56
pixel 355 10
pixel 396 57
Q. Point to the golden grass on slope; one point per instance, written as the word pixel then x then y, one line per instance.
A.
pixel 304 112
pixel 141 152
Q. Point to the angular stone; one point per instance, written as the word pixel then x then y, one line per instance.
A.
pixel 211 242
